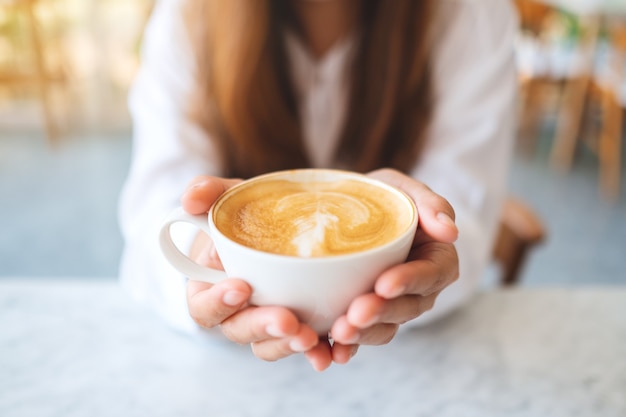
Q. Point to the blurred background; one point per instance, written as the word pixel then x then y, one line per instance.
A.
pixel 65 136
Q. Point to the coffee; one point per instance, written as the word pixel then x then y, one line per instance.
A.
pixel 312 218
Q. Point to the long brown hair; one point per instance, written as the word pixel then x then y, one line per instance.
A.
pixel 246 101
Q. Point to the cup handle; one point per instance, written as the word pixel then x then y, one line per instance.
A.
pixel 179 260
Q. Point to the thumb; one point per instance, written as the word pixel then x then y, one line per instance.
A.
pixel 203 191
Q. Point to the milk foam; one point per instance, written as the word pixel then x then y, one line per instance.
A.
pixel 311 232
pixel 319 216
pixel 312 219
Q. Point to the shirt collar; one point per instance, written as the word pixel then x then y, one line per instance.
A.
pixel 308 70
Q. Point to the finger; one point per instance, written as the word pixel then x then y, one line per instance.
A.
pixel 345 333
pixel 320 356
pixel 370 310
pixel 255 324
pixel 378 335
pixel 343 353
pixel 436 215
pixel 210 304
pixel 203 191
pixel 273 349
pixel 203 252
pixel 436 267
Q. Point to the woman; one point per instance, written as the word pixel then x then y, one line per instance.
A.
pixel 420 94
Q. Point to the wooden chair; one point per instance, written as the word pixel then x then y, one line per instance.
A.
pixel 37 75
pixel 535 85
pixel 571 95
pixel 574 98
pixel 560 89
pixel 606 94
pixel 519 232
pixel 532 14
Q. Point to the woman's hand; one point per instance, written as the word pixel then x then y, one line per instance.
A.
pixel 401 293
pixel 273 332
pixel 405 291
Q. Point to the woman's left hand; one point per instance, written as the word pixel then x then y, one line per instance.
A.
pixel 405 291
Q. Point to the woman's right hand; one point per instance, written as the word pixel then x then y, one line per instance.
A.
pixel 272 332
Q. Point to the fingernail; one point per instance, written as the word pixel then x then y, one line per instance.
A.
pixel 353 339
pixel 212 253
pixel 198 185
pixel 443 218
pixel 354 350
pixel 204 257
pixel 208 256
pixel 297 346
pixel 395 292
pixel 274 331
pixel 233 298
pixel 371 321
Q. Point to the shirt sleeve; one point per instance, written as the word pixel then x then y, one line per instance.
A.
pixel 468 152
pixel 169 149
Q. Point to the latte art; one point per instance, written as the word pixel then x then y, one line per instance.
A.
pixel 312 219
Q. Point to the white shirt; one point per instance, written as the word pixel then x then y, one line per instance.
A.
pixel 465 159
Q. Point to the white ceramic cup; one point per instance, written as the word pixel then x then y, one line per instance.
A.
pixel 317 289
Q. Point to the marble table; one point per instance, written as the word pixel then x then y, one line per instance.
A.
pixel 82 348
